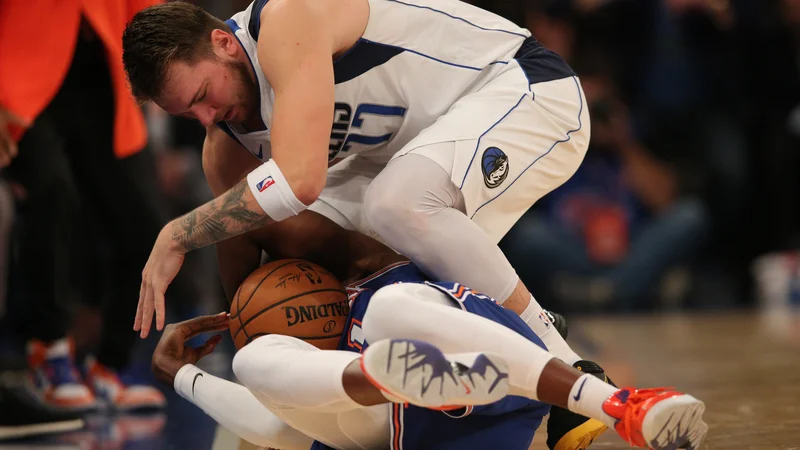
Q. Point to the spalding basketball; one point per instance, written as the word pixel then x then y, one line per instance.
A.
pixel 292 297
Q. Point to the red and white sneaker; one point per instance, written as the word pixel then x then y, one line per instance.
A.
pixel 660 419
pixel 107 385
pixel 55 378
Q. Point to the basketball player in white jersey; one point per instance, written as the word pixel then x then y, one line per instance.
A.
pixel 444 124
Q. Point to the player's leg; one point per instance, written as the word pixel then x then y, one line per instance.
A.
pixel 418 210
pixel 462 183
pixel 314 391
pixel 405 355
pixel 488 160
pixel 423 317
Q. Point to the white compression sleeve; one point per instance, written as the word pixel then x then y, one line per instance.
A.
pixel 294 374
pixel 414 311
pixel 238 410
pixel 302 385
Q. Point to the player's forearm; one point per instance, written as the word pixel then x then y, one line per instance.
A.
pixel 235 408
pixel 233 213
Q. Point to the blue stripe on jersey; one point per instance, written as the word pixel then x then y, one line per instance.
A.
pixel 255 19
pixel 569 136
pixel 459 18
pixel 424 55
pixel 361 58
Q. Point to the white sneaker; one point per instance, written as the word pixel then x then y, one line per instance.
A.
pixel 418 373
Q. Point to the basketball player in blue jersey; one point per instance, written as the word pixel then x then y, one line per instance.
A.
pixel 470 370
pixel 443 124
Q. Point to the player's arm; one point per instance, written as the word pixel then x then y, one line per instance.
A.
pixel 295 51
pixel 295 47
pixel 226 163
pixel 231 405
pixel 308 236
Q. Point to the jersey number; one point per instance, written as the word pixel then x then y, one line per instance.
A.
pixel 344 119
pixel 355 335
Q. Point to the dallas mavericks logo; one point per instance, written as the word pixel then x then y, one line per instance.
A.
pixel 495 167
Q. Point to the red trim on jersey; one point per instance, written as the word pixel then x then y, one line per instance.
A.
pixel 350 341
pixel 397 426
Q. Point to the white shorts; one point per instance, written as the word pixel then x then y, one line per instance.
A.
pixel 504 146
pixel 342 200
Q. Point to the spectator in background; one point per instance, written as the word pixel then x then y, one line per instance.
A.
pixel 6 220
pixel 77 144
pixel 611 232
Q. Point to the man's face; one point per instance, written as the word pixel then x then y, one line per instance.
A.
pixel 211 90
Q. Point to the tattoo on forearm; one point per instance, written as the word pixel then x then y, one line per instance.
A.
pixel 224 217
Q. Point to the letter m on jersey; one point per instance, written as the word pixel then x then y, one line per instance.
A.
pixel 371 125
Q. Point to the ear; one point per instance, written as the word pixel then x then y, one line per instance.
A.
pixel 223 42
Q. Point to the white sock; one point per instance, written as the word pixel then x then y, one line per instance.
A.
pixel 591 392
pixel 536 318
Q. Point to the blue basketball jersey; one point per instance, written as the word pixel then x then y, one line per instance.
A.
pixel 508 424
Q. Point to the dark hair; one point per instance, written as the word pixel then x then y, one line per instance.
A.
pixel 160 35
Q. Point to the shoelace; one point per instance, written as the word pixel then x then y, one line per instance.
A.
pixel 634 404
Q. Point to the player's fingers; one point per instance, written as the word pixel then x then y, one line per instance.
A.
pixel 205 324
pixel 147 313
pixel 207 348
pixel 159 306
pixel 137 321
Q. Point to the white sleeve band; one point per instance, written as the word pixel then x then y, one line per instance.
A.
pixel 273 193
pixel 237 409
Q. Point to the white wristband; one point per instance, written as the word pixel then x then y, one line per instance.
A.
pixel 273 193
pixel 184 384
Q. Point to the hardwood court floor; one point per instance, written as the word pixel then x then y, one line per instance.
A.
pixel 745 366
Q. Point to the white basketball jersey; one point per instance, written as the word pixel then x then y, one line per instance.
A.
pixel 415 59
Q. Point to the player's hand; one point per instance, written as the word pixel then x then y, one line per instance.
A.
pixel 172 353
pixel 8 147
pixel 165 261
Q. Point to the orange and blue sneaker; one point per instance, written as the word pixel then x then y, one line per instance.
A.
pixel 107 385
pixel 55 377
pixel 659 419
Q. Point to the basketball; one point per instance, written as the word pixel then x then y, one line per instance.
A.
pixel 291 297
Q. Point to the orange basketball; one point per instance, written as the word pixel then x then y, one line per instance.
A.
pixel 292 297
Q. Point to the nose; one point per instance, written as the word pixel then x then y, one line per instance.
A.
pixel 206 115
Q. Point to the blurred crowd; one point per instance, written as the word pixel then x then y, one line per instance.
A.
pixel 687 197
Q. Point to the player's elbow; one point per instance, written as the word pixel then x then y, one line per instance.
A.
pixel 308 192
pixel 308 189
